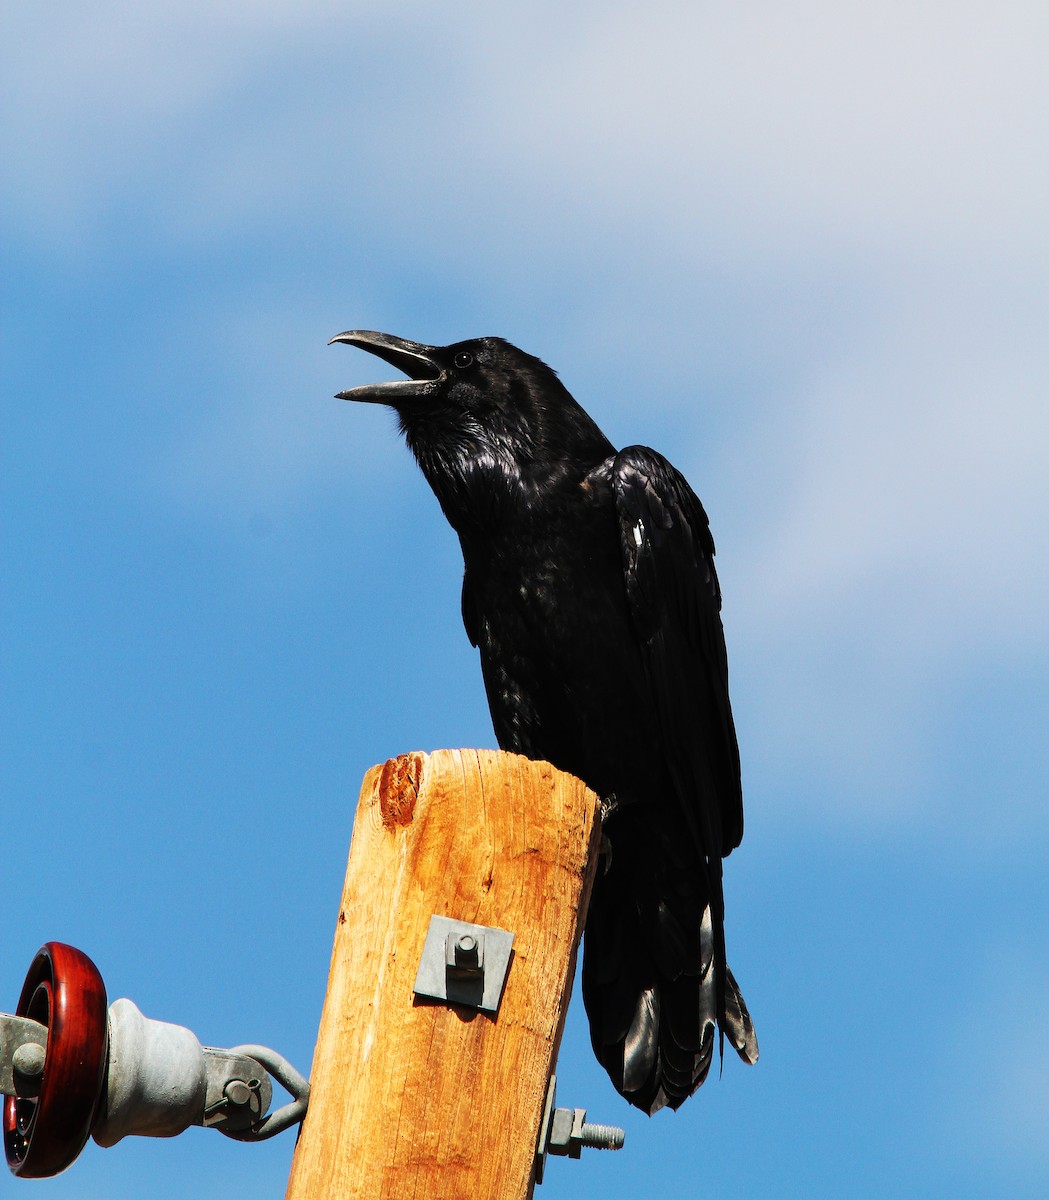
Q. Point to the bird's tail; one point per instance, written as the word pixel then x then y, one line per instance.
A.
pixel 651 980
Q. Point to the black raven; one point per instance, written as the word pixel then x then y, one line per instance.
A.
pixel 590 591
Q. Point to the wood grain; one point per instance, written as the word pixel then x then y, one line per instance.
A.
pixel 414 1098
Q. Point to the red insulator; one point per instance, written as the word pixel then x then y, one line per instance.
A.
pixel 43 1134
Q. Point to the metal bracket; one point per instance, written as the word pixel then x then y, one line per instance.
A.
pixel 464 964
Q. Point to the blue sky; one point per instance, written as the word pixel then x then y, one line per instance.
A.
pixel 803 251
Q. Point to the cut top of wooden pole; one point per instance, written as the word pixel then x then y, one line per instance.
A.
pixel 418 1098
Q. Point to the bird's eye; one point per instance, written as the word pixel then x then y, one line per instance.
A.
pixel 463 359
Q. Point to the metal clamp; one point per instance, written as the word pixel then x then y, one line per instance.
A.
pixel 464 964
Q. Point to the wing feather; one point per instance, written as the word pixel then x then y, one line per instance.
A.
pixel 675 604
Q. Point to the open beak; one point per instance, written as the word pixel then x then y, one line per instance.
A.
pixel 414 359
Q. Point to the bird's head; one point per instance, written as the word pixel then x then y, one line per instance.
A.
pixel 479 409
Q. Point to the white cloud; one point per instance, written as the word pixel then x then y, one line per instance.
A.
pixel 919 464
pixel 894 569
pixel 724 132
pixel 843 122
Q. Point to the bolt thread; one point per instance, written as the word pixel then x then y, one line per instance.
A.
pixel 602 1137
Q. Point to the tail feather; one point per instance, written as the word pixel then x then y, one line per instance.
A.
pixel 652 986
pixel 740 1027
pixel 641 1044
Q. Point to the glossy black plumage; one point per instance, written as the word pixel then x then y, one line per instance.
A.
pixel 590 592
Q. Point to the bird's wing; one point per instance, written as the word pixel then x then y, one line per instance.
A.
pixel 471 617
pixel 675 605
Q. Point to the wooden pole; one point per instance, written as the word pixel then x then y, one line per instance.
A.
pixel 414 1098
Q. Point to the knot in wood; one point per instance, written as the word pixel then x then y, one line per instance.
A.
pixel 399 789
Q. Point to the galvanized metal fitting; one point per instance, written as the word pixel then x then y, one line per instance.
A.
pixel 565 1131
pixel 464 964
pixel 570 1132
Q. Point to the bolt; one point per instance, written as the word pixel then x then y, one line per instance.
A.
pixel 464 955
pixel 466 951
pixel 237 1092
pixel 602 1137
pixel 570 1131
pixel 28 1060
